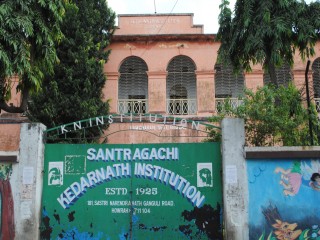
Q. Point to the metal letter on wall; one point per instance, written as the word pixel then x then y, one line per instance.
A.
pixel 137 191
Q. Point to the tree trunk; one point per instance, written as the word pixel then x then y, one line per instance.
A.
pixel 272 73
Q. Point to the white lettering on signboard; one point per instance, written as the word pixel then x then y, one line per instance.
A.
pixel 141 170
pixel 127 154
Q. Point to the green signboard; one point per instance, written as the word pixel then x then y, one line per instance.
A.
pixel 132 191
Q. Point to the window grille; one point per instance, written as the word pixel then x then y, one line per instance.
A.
pixel 133 86
pixel 227 83
pixel 283 76
pixel 181 86
pixel 316 77
pixel 316 82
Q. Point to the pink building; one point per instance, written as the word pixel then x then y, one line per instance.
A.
pixel 164 64
pixel 160 64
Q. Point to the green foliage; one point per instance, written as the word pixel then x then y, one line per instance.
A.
pixel 267 32
pixel 28 32
pixel 75 90
pixel 275 116
pixel 5 171
pixel 214 133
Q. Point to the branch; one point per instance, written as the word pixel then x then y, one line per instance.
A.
pixel 16 109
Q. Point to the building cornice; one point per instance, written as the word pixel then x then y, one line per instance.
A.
pixel 164 37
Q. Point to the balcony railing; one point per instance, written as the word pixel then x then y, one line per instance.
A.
pixel 136 106
pixel 182 106
pixel 235 102
pixel 317 102
pixel 222 102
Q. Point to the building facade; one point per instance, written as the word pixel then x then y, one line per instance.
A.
pixel 165 65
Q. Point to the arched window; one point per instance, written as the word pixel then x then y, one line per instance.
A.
pixel 227 83
pixel 133 86
pixel 316 82
pixel 181 86
pixel 283 76
pixel 228 86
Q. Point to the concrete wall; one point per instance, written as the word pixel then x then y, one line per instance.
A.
pixel 21 184
pixel 284 191
pixel 269 192
pixel 235 191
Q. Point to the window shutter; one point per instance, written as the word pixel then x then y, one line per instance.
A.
pixel 316 77
pixel 227 83
pixel 133 81
pixel 181 79
pixel 283 76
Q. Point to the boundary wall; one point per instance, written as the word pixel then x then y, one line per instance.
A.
pixel 268 189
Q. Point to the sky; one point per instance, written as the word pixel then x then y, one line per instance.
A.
pixel 205 12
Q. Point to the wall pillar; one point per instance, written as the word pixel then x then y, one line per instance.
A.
pixel 27 182
pixel 110 91
pixel 157 92
pixel 235 184
pixel 205 92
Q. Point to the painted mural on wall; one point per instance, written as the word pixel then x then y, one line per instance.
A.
pixel 6 203
pixel 284 199
pixel 136 191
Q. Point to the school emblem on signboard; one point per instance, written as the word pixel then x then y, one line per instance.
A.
pixel 204 175
pixel 55 176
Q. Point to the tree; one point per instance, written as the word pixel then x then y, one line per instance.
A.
pixel 74 92
pixel 267 123
pixel 28 31
pixel 267 32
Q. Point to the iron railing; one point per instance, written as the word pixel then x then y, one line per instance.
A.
pixel 222 102
pixel 182 106
pixel 136 106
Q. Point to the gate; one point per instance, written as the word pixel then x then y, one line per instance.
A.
pixel 132 191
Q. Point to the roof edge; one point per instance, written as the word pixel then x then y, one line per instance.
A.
pixel 155 14
pixel 164 37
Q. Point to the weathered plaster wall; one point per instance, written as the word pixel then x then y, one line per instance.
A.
pixel 157 24
pixel 9 140
pixel 21 182
pixel 235 191
pixel 118 133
